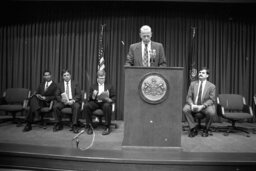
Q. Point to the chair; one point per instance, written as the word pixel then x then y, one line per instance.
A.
pixel 16 101
pixel 98 113
pixel 233 108
pixel 199 117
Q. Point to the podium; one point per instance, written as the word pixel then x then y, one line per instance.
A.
pixel 153 107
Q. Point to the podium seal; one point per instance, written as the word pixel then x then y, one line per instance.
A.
pixel 153 88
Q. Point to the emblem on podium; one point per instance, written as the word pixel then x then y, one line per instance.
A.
pixel 153 88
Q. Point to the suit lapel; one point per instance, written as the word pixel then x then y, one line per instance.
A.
pixel 196 88
pixel 206 87
pixel 106 87
pixel 96 87
pixel 153 45
pixel 139 53
pixel 62 88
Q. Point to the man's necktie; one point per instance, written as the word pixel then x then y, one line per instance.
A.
pixel 46 86
pixel 67 90
pixel 199 95
pixel 145 57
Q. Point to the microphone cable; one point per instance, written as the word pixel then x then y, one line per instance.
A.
pixel 90 145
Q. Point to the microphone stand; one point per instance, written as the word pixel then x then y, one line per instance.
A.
pixel 77 142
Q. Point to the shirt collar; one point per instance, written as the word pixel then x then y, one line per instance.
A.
pixel 49 82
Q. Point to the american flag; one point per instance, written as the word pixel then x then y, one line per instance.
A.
pixel 192 57
pixel 101 62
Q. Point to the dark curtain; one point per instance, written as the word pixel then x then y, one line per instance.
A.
pixel 39 36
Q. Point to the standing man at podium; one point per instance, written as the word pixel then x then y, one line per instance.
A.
pixel 146 53
pixel 200 98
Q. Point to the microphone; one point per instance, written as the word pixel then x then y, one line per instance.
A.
pixel 80 133
pixel 122 42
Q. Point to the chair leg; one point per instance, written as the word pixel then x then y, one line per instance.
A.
pixel 243 130
pixel 234 129
pixel 18 121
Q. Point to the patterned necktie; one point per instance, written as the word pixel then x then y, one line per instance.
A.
pixel 145 57
pixel 67 90
pixel 199 94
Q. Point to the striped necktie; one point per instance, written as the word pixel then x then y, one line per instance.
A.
pixel 145 57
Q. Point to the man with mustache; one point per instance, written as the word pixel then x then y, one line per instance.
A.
pixel 200 98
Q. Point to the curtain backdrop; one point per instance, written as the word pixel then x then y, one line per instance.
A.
pixel 39 36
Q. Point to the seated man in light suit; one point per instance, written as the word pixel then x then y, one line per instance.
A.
pixel 200 98
pixel 68 93
pixel 146 53
pixel 101 95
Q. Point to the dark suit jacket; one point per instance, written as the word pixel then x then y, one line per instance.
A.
pixel 134 56
pixel 49 93
pixel 208 96
pixel 75 88
pixel 108 87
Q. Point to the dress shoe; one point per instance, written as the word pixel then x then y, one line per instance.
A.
pixel 205 133
pixel 27 128
pixel 89 130
pixel 193 132
pixel 75 129
pixel 57 127
pixel 106 131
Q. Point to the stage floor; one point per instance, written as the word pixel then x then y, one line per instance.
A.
pixel 43 149
pixel 235 142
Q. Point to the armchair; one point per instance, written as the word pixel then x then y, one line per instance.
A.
pixel 233 108
pixel 16 101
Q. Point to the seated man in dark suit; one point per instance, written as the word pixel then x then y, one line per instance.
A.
pixel 68 94
pixel 101 95
pixel 44 94
pixel 200 98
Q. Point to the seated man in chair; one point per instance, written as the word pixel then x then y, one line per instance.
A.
pixel 101 96
pixel 68 94
pixel 200 98
pixel 44 94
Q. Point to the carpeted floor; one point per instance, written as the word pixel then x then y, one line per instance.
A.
pixel 235 142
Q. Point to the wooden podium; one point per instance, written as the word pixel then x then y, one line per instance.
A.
pixel 153 107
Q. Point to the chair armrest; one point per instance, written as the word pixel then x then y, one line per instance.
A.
pixel 248 109
pixel 25 102
pixel 220 109
pixel 4 94
pixel 51 105
pixel 113 107
pixel 82 106
pixel 83 101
